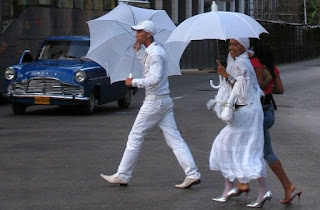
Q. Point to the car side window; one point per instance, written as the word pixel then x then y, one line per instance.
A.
pixel 63 50
pixel 78 49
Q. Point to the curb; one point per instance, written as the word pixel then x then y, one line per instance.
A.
pixel 198 71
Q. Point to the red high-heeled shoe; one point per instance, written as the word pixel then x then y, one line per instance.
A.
pixel 288 200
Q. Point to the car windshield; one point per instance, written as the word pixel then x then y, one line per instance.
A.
pixel 63 50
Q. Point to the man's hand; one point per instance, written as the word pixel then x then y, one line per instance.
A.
pixel 129 82
pixel 222 70
pixel 136 46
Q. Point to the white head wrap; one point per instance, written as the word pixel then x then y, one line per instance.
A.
pixel 245 42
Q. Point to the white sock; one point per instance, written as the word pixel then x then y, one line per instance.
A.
pixel 263 188
pixel 227 187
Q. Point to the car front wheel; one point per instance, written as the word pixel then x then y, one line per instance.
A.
pixel 18 108
pixel 125 102
pixel 90 106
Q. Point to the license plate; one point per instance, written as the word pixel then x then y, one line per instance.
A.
pixel 41 100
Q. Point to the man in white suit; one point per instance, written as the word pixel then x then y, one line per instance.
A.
pixel 157 109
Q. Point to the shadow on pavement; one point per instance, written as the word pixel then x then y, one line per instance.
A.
pixel 3 100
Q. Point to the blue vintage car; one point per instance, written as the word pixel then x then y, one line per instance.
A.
pixel 61 75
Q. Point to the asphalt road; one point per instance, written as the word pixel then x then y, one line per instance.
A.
pixel 51 159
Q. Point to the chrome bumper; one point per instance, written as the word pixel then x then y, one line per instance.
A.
pixel 59 97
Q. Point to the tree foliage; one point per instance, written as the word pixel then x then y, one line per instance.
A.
pixel 313 11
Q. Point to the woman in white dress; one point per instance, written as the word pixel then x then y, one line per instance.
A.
pixel 237 151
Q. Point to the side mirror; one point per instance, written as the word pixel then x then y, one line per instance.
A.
pixel 26 57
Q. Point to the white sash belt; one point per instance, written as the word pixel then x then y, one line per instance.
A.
pixel 154 97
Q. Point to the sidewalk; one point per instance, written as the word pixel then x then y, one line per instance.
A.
pixel 282 67
pixel 309 62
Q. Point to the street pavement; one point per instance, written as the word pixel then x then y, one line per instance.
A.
pixel 52 158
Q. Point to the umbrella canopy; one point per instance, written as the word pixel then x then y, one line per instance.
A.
pixel 111 40
pixel 212 25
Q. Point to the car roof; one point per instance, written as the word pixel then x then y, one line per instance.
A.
pixel 68 38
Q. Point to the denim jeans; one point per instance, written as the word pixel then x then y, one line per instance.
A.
pixel 268 122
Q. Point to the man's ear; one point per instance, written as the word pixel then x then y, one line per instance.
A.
pixel 149 34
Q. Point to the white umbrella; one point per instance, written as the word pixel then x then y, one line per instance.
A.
pixel 111 40
pixel 212 25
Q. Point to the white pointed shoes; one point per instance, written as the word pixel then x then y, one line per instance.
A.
pixel 188 182
pixel 114 179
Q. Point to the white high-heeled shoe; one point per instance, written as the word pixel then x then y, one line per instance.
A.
pixel 266 197
pixel 230 194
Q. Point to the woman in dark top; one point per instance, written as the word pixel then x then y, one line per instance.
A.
pixel 263 64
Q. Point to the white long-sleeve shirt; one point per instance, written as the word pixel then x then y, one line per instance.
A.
pixel 155 71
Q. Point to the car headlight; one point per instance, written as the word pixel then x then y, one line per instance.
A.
pixel 80 76
pixel 9 73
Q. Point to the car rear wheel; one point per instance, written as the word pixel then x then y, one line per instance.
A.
pixel 18 108
pixel 125 102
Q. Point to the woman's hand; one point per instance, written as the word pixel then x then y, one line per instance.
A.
pixel 222 70
pixel 128 82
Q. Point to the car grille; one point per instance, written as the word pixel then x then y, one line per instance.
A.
pixel 45 86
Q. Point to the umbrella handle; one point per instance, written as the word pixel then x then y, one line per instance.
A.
pixel 216 86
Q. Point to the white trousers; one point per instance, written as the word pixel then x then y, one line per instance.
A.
pixel 156 110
